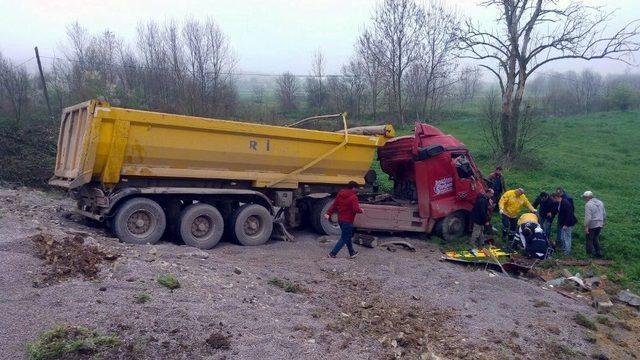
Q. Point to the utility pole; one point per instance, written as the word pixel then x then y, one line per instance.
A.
pixel 44 84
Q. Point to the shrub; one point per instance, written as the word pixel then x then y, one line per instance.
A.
pixel 583 320
pixel 64 341
pixel 287 286
pixel 623 97
pixel 169 281
pixel 142 298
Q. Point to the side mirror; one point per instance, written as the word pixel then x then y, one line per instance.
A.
pixel 429 152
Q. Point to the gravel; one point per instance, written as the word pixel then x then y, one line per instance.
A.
pixel 381 305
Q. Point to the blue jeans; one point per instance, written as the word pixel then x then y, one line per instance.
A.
pixel 545 224
pixel 565 235
pixel 346 231
pixel 508 224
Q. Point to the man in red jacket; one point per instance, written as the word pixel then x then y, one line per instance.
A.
pixel 347 205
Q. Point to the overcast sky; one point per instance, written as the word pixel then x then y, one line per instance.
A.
pixel 268 36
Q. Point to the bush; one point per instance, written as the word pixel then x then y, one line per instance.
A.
pixel 64 341
pixel 27 154
pixel 169 281
pixel 142 298
pixel 287 286
pixel 623 97
pixel 583 320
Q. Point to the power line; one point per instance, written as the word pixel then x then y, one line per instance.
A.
pixel 24 62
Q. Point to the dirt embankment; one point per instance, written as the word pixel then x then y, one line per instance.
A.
pixel 281 300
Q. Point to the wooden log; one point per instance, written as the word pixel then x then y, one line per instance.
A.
pixel 382 130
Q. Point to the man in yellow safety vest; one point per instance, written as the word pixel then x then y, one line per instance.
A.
pixel 510 205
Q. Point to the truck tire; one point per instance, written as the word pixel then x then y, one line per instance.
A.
pixel 319 223
pixel 139 221
pixel 452 226
pixel 252 225
pixel 201 225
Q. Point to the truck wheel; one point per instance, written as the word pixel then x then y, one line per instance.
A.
pixel 252 225
pixel 452 226
pixel 201 225
pixel 319 223
pixel 139 221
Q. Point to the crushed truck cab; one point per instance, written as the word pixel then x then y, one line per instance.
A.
pixel 435 183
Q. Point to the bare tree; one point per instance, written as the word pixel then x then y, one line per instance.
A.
pixel 468 83
pixel 175 52
pixel 288 88
pixel 315 87
pixel 373 73
pixel 210 63
pixel 532 34
pixel 589 89
pixel 258 91
pixel 393 42
pixel 355 84
pixel 438 58
pixel 16 83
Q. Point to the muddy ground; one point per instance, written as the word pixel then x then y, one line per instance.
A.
pixel 277 301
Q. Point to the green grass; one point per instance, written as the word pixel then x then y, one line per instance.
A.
pixel 169 281
pixel 142 298
pixel 287 286
pixel 64 341
pixel 598 152
pixel 584 321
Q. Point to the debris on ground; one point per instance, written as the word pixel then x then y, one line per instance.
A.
pixel 69 342
pixel 392 245
pixel 629 298
pixel 219 341
pixel 601 300
pixel 366 240
pixel 404 329
pixel 68 256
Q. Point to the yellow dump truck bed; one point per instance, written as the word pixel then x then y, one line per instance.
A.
pixel 98 142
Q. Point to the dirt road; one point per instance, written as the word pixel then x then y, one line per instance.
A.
pixel 380 305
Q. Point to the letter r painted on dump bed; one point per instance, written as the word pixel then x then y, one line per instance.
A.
pixel 253 145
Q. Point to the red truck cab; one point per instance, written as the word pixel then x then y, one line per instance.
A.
pixel 435 185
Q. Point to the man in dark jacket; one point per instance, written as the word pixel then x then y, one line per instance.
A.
pixel 547 210
pixel 481 217
pixel 347 206
pixel 566 221
pixel 560 191
pixel 497 184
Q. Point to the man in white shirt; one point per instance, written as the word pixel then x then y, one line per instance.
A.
pixel 594 219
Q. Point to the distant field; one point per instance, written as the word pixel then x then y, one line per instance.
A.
pixel 598 152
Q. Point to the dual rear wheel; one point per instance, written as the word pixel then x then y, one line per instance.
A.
pixel 143 221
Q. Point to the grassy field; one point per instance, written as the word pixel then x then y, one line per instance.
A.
pixel 598 152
